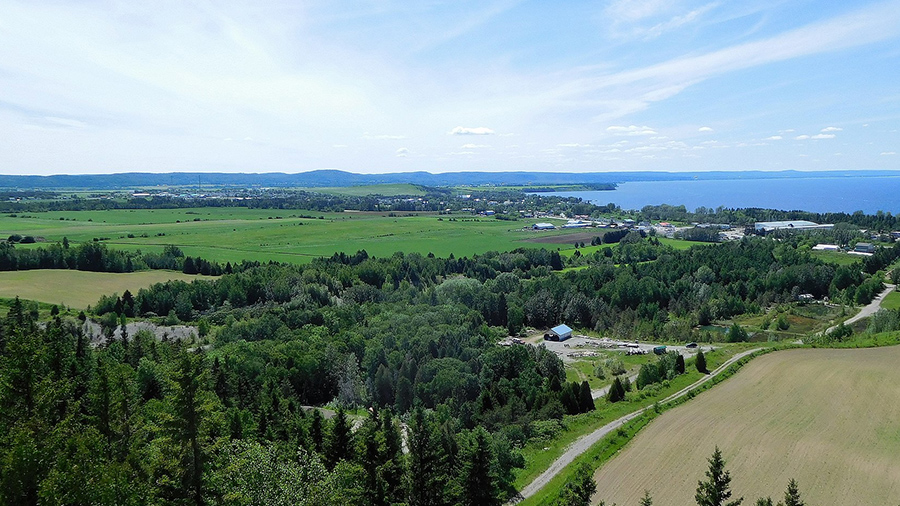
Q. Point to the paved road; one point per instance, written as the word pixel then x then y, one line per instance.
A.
pixel 869 309
pixel 582 444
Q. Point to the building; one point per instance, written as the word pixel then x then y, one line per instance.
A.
pixel 543 226
pixel 768 226
pixel 864 247
pixel 826 247
pixel 559 333
pixel 577 224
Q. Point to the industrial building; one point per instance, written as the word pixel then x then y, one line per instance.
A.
pixel 769 226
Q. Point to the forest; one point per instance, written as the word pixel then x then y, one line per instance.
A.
pixel 401 348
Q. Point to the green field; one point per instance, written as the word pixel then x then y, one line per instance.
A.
pixel 828 418
pixel 235 234
pixel 835 257
pixel 77 289
pixel 892 301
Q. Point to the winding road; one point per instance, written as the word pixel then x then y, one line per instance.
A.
pixel 583 443
pixel 869 309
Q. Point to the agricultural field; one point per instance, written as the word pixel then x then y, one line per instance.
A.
pixel 236 234
pixel 828 418
pixel 78 289
pixel 385 190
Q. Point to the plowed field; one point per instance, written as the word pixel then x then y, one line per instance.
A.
pixel 828 418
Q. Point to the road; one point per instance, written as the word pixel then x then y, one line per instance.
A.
pixel 869 309
pixel 582 444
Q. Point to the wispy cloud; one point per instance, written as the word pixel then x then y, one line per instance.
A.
pixel 474 146
pixel 402 152
pixel 831 129
pixel 888 153
pixel 774 138
pixel 631 130
pixel 704 129
pixel 383 137
pixel 471 131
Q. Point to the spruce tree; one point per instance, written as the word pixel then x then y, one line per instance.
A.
pixel 586 400
pixel 701 362
pixel 478 481
pixel 646 500
pixel 716 490
pixel 792 495
pixel 340 441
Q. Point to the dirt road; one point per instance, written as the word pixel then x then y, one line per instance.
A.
pixel 582 444
pixel 869 309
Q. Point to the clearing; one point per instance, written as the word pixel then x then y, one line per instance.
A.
pixel 828 418
pixel 79 289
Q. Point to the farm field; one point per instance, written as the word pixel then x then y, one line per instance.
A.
pixel 78 289
pixel 235 234
pixel 828 418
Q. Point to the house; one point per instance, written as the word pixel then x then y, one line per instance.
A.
pixel 559 333
pixel 864 247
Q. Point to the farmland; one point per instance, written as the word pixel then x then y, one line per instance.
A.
pixel 236 234
pixel 77 289
pixel 806 414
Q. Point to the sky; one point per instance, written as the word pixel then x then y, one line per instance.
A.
pixel 96 86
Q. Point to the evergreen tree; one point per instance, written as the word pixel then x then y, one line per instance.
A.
pixel 586 400
pixel 186 425
pixel 716 490
pixel 340 440
pixel 701 362
pixel 478 482
pixel 646 500
pixel 424 480
pixel 792 495
pixel 767 501
pixel 679 364
pixel 316 432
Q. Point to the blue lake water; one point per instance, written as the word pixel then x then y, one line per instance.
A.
pixel 821 194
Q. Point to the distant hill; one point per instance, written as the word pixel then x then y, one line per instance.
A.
pixel 319 178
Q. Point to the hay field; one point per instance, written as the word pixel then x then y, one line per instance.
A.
pixel 828 418
pixel 78 289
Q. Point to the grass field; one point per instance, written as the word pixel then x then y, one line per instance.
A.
pixel 385 190
pixel 235 234
pixel 77 289
pixel 828 418
pixel 892 301
pixel 835 257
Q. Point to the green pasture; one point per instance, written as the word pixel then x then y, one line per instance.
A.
pixel 235 234
pixel 835 257
pixel 78 289
pixel 892 301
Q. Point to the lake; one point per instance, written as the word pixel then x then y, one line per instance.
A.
pixel 820 194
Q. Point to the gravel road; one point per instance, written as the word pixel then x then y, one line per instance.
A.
pixel 582 444
pixel 869 309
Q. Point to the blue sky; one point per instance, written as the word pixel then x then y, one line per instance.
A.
pixel 93 86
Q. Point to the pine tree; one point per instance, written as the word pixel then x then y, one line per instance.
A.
pixel 424 480
pixel 316 432
pixel 792 495
pixel 577 491
pixel 679 364
pixel 186 424
pixel 701 362
pixel 764 501
pixel 646 500
pixel 716 490
pixel 477 478
pixel 586 400
pixel 340 440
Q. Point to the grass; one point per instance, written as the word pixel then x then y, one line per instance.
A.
pixel 835 257
pixel 235 234
pixel 892 301
pixel 795 413
pixel 77 289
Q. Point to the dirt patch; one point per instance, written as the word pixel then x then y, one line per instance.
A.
pixel 567 239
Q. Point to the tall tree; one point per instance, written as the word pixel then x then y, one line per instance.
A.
pixel 578 489
pixel 478 481
pixel 792 494
pixel 340 440
pixel 716 490
pixel 701 362
pixel 186 424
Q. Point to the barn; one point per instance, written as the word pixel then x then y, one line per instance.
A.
pixel 559 333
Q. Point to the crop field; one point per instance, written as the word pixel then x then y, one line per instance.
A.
pixel 828 418
pixel 78 289
pixel 235 234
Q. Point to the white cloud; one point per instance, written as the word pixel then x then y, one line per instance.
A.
pixel 383 137
pixel 705 129
pixel 474 146
pixel 66 122
pixel 471 131
pixel 339 145
pixel 573 145
pixel 631 130
pixel 802 137
pixel 888 153
pixel 831 129
pixel 823 136
pixel 774 138
pixel 402 152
